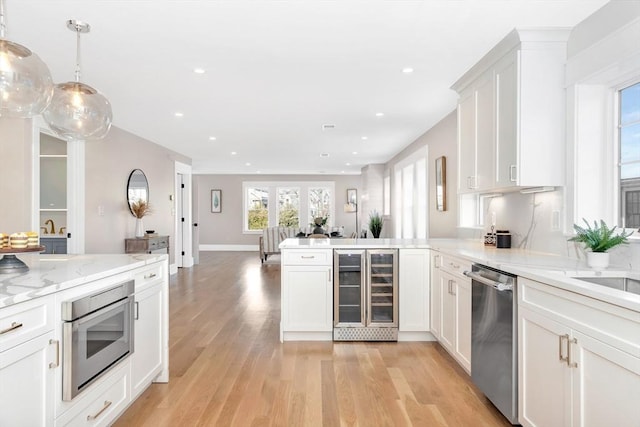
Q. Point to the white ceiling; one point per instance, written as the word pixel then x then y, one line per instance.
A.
pixel 276 71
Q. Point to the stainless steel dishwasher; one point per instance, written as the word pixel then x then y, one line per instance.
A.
pixel 494 337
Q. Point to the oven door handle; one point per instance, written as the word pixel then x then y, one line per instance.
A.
pixel 102 311
pixel 499 286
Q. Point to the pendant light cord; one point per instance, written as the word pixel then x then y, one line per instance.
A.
pixel 77 73
pixel 3 27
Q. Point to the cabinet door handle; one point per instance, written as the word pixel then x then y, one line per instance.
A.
pixel 14 326
pixel 137 307
pixel 569 362
pixel 150 276
pixel 561 355
pixel 107 403
pixel 57 363
pixel 453 287
pixel 307 257
pixel 436 261
pixel 512 173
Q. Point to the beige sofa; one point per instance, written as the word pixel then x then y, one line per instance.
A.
pixel 271 239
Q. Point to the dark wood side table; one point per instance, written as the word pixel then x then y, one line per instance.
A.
pixel 146 244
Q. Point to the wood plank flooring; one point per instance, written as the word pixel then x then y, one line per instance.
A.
pixel 228 368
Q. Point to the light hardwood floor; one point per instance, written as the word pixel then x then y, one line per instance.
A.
pixel 228 368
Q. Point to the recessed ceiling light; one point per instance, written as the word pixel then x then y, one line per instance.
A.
pixel 407 70
pixel 324 154
pixel 247 164
pixel 233 153
pixel 198 70
pixel 355 152
pixel 258 172
pixel 212 138
pixel 379 114
pixel 341 171
pixel 178 114
pixel 364 138
pixel 347 164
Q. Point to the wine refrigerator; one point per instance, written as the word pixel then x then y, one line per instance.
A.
pixel 365 295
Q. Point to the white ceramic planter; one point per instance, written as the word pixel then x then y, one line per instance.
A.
pixel 598 260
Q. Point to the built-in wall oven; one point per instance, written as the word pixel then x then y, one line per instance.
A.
pixel 97 332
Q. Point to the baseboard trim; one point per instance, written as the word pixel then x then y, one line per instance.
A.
pixel 236 248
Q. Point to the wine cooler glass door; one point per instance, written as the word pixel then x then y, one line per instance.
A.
pixel 349 288
pixel 383 289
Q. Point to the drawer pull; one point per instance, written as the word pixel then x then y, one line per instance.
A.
pixel 14 325
pixel 571 363
pixel 307 257
pixel 107 403
pixel 150 276
pixel 456 266
pixel 57 363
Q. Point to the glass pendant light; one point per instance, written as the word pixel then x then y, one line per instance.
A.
pixel 25 81
pixel 77 111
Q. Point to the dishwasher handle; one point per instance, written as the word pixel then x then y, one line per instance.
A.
pixel 499 286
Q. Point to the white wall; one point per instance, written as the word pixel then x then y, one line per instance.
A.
pixel 442 141
pixel 108 165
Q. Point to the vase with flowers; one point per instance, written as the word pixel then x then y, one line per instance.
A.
pixel 318 224
pixel 140 208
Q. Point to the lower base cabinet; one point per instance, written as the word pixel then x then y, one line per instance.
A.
pixel 26 383
pixel 571 374
pixel 146 361
pixel 452 299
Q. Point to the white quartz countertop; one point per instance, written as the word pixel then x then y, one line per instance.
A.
pixel 53 273
pixel 544 267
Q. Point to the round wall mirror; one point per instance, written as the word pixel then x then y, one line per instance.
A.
pixel 137 188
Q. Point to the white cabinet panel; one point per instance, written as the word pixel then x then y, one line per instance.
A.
pixel 26 383
pixel 146 360
pixel 307 300
pixel 413 291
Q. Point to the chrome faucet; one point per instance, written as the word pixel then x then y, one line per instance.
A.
pixel 53 227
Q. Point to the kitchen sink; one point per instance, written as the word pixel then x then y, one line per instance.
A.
pixel 627 284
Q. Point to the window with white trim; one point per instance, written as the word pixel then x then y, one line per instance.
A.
pixel 286 204
pixel 629 155
pixel 410 202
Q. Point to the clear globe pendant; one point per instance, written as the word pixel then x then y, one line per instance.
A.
pixel 77 111
pixel 25 81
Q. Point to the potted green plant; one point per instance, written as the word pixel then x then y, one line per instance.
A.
pixel 375 224
pixel 599 239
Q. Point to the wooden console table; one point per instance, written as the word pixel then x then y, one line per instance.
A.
pixel 146 244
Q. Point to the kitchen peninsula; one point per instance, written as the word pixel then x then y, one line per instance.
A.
pixel 596 327
pixel 41 337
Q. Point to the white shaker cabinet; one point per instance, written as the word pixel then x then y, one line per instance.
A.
pixel 475 137
pixel 29 356
pixel 146 361
pixel 455 309
pixel 307 295
pixel 413 293
pixel 511 114
pixel 579 359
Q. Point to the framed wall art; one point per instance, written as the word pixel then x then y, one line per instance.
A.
pixel 216 201
pixel 441 184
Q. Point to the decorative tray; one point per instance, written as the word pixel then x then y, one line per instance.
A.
pixel 20 251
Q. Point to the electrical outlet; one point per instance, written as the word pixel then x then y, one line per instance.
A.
pixel 555 220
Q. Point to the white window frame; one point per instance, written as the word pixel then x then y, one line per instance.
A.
pixel 419 209
pixel 620 193
pixel 288 187
pixel 273 187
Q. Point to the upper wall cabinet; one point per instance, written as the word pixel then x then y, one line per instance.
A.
pixel 511 114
